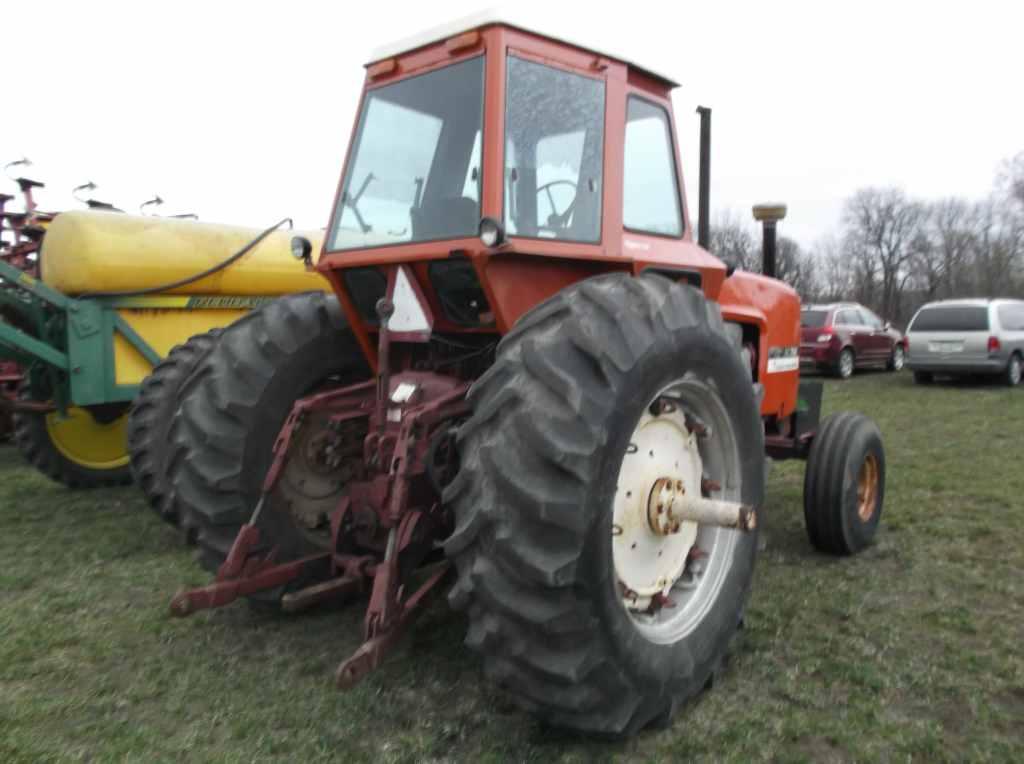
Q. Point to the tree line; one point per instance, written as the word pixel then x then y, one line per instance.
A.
pixel 894 252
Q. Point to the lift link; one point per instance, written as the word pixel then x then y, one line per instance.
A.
pixel 399 449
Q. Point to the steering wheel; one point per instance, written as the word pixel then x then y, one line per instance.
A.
pixel 558 220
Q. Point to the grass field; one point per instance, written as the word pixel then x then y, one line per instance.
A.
pixel 910 651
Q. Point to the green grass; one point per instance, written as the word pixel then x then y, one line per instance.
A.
pixel 910 651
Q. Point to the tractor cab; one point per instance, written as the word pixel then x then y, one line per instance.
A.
pixel 493 145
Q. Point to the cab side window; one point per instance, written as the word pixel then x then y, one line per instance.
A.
pixel 554 153
pixel 650 194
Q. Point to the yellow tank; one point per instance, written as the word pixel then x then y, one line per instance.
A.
pixel 89 251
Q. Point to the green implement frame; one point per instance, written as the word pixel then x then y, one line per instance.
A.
pixel 65 344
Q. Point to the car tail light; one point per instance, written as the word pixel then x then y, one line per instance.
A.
pixel 993 344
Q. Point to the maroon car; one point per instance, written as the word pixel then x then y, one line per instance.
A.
pixel 844 336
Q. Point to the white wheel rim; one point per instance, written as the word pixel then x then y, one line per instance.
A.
pixel 897 360
pixel 687 568
pixel 1015 370
pixel 846 363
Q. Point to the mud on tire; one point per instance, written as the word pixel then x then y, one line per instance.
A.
pixel 149 421
pixel 540 458
pixel 232 406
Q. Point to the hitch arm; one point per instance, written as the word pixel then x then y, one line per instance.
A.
pixel 242 575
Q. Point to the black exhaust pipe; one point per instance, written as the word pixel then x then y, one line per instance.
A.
pixel 768 215
pixel 704 183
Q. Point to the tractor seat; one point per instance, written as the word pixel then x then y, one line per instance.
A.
pixel 445 218
pixel 25 184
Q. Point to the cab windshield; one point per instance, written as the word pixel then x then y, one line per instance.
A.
pixel 414 172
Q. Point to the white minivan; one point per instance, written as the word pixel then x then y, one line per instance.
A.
pixel 962 337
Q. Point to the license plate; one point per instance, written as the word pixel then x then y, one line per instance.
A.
pixel 945 347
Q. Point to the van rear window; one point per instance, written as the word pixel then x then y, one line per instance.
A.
pixel 959 319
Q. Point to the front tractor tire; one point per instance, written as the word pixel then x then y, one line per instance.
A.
pixel 844 485
pixel 149 421
pixel 229 412
pixel 569 430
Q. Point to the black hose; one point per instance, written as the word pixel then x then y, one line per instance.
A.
pixel 197 277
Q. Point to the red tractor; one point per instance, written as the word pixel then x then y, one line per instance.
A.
pixel 530 379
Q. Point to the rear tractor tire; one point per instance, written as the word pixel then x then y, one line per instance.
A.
pixel 560 567
pixel 229 412
pixel 87 448
pixel 844 485
pixel 149 421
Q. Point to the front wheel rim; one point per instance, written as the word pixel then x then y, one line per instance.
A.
pixel 897 360
pixel 867 488
pixel 700 556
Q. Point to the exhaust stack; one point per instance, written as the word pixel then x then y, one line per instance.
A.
pixel 704 182
pixel 768 215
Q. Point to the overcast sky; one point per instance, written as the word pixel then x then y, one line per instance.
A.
pixel 241 111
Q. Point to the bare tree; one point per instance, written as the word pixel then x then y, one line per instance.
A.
pixel 796 268
pixel 1011 179
pixel 733 241
pixel 894 252
pixel 833 272
pixel 941 250
pixel 998 250
pixel 880 225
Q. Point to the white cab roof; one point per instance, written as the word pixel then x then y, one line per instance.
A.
pixel 525 19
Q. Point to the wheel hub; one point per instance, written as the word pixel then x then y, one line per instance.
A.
pixel 323 462
pixel 682 458
pixel 867 488
pixel 665 493
pixel 650 543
